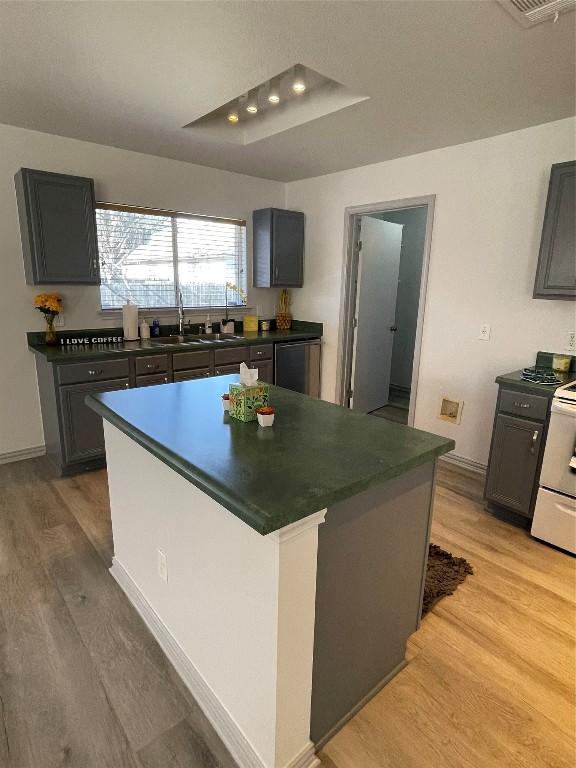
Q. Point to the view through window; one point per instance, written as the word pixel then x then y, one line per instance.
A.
pixel 148 256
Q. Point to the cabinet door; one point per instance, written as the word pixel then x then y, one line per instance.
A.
pixel 265 371
pixel 514 460
pixel 58 228
pixel 287 248
pixel 222 370
pixel 149 381
pixel 556 271
pixel 195 373
pixel 82 431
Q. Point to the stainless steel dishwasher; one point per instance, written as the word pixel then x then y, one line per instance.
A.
pixel 297 366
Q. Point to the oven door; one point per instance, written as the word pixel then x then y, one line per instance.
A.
pixel 560 443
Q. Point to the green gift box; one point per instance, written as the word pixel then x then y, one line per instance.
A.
pixel 244 400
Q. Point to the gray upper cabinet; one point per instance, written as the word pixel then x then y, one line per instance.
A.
pixel 57 227
pixel 556 271
pixel 278 237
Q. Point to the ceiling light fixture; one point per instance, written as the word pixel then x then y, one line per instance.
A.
pixel 298 86
pixel 252 107
pixel 233 117
pixel 274 96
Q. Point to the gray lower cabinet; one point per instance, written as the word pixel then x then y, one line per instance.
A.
pixel 73 433
pixel 196 373
pixel 57 228
pixel 518 441
pixel 82 432
pixel 149 381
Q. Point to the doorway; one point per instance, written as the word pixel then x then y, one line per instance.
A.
pixel 384 286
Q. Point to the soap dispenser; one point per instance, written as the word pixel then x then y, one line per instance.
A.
pixel 208 325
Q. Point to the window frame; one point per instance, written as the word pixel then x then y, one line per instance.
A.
pixel 174 216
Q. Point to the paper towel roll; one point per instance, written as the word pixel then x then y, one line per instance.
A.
pixel 130 321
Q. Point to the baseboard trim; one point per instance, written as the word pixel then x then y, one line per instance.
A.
pixel 25 453
pixel 462 461
pixel 349 715
pixel 223 723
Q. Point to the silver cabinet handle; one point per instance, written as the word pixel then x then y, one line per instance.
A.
pixel 126 386
pixel 534 439
pixel 259 353
pixel 152 366
pixel 93 372
pixel 520 404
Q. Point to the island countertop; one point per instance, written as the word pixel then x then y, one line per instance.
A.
pixel 316 453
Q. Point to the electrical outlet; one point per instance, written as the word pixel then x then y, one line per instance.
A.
pixel 571 341
pixel 163 566
pixel 59 321
pixel 484 334
pixel 451 410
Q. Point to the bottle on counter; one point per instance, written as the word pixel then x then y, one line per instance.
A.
pixel 208 325
pixel 144 329
pixel 130 321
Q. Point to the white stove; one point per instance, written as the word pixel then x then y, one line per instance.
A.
pixel 555 512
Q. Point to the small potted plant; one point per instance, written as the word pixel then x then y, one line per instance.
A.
pixel 50 304
pixel 265 415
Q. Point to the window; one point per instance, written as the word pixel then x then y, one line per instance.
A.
pixel 149 256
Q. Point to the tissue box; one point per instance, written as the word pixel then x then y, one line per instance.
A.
pixel 245 399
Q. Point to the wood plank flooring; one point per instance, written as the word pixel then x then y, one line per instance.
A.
pixel 84 685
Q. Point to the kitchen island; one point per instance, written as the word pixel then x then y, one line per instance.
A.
pixel 281 569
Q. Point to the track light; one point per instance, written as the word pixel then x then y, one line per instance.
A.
pixel 252 107
pixel 299 86
pixel 232 116
pixel 274 96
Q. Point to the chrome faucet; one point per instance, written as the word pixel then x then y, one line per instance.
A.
pixel 180 314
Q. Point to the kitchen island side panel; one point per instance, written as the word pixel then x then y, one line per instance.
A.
pixel 372 555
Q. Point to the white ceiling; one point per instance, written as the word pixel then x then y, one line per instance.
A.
pixel 132 74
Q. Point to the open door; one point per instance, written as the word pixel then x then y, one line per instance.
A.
pixel 378 269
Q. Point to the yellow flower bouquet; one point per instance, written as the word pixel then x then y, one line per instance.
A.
pixel 50 304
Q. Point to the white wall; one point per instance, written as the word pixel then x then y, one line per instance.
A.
pixel 120 177
pixel 490 198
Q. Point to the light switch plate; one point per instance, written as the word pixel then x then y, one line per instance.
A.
pixel 484 334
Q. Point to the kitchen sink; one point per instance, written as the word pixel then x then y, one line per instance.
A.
pixel 203 338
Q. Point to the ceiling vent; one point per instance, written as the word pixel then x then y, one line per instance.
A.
pixel 530 12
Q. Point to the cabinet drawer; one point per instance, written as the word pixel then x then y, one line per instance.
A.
pixel 155 378
pixel 520 404
pixel 194 373
pixel 223 370
pixel 184 361
pixel 261 352
pixel 232 355
pixel 151 364
pixel 98 370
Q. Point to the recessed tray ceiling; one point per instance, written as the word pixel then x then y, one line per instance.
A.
pixel 258 117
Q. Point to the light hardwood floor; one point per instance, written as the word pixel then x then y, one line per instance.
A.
pixel 84 685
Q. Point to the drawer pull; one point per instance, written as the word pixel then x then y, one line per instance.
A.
pixel 152 366
pixel 259 353
pixel 519 404
pixel 93 372
pixel 534 439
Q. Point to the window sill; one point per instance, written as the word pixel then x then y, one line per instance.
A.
pixel 172 312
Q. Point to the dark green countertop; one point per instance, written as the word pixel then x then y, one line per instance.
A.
pixel 315 454
pixel 69 353
pixel 515 381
